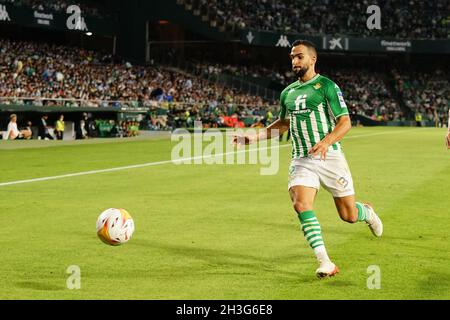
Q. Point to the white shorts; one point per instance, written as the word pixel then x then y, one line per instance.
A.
pixel 333 174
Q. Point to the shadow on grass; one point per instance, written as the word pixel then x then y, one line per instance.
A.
pixel 38 286
pixel 435 285
pixel 231 263
pixel 339 283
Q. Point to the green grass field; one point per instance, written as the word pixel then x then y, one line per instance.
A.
pixel 221 231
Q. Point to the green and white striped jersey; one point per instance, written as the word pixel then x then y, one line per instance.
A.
pixel 313 107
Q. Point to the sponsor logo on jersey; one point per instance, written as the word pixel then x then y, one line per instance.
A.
pixel 301 111
pixel 343 182
pixel 341 99
pixel 302 115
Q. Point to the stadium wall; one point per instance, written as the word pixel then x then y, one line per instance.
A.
pixel 347 44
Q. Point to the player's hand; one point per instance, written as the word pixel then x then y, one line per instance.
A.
pixel 320 148
pixel 447 140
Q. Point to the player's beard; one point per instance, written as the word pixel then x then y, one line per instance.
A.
pixel 300 72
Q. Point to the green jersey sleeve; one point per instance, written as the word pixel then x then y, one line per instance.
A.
pixel 283 108
pixel 335 100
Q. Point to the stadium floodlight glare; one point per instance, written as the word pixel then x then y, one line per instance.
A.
pixel 89 33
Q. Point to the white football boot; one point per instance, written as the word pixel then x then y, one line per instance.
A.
pixel 327 269
pixel 375 224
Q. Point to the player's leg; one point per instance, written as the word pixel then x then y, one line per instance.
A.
pixel 346 207
pixel 351 211
pixel 336 178
pixel 303 200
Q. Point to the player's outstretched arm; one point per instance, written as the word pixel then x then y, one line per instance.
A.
pixel 275 129
pixel 343 125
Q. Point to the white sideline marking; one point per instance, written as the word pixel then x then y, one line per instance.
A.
pixel 148 164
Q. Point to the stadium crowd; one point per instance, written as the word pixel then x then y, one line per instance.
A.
pixel 365 91
pixel 367 94
pixel 283 77
pixel 46 74
pixel 42 74
pixel 407 18
pixel 426 93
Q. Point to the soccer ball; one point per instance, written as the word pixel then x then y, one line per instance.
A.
pixel 115 226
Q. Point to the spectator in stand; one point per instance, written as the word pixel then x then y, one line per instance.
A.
pixel 407 18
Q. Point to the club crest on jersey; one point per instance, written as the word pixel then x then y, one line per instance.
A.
pixel 317 86
pixel 343 182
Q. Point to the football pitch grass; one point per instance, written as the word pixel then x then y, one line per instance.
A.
pixel 221 231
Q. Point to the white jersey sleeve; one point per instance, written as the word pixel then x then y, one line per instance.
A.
pixel 12 130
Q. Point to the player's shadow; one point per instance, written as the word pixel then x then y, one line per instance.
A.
pixel 38 286
pixel 340 283
pixel 224 262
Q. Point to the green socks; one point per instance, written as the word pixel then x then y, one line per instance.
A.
pixel 363 213
pixel 311 228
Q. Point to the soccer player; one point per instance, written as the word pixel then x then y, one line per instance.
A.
pixel 315 111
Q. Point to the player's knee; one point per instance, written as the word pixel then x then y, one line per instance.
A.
pixel 301 206
pixel 348 216
pixel 349 219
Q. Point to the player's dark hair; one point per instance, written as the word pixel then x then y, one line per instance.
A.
pixel 305 43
